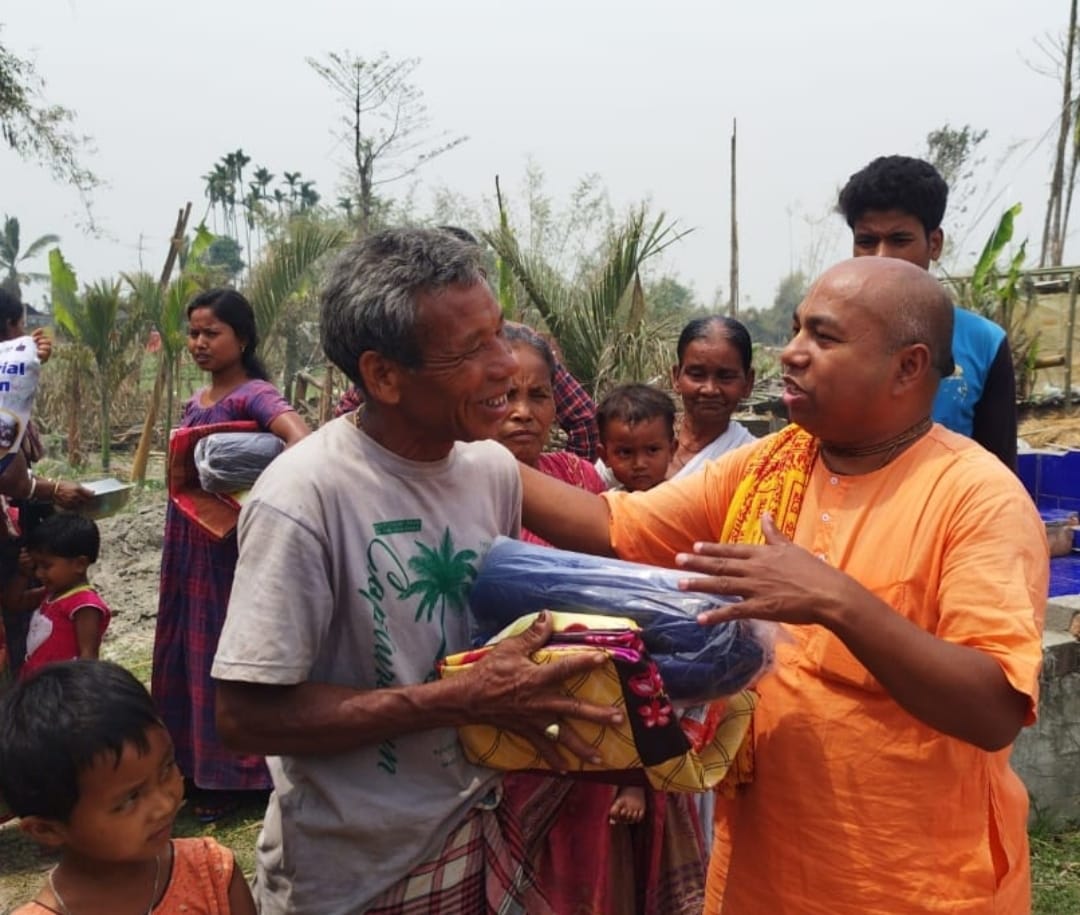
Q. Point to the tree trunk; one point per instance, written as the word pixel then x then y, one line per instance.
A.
pixel 292 361
pixel 142 450
pixel 170 398
pixel 1053 240
pixel 326 396
pixel 74 445
pixel 106 432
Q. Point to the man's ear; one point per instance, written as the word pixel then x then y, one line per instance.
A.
pixel 82 563
pixel 382 377
pixel 937 243
pixel 44 831
pixel 913 366
pixel 601 452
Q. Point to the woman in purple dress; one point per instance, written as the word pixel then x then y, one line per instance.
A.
pixel 197 569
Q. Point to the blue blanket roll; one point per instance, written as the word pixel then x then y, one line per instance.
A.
pixel 696 662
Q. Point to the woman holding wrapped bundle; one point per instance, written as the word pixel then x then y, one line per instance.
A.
pixel 197 567
pixel 595 848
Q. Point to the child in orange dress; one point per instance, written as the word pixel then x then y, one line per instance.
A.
pixel 87 765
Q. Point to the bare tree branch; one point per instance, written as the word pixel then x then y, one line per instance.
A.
pixel 386 126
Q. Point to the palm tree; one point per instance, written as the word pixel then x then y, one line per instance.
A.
pixel 226 175
pixel 599 319
pixel 102 323
pixel 309 197
pixel 163 307
pixel 293 180
pixel 214 190
pixel 236 162
pixel 251 210
pixel 240 159
pixel 288 262
pixel 11 258
pixel 278 287
pixel 164 310
pixel 445 577
pixel 263 178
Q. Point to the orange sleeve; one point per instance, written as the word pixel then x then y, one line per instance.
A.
pixel 653 526
pixel 995 579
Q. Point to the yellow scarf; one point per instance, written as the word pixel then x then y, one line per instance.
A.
pixel 775 482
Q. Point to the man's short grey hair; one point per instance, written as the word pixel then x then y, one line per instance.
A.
pixel 369 297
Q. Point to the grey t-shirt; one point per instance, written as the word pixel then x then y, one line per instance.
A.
pixel 354 564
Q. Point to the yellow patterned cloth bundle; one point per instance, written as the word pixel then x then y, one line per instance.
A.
pixel 688 753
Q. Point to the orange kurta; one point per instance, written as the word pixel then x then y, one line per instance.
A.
pixel 856 807
pixel 198 882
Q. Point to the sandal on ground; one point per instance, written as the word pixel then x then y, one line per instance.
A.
pixel 211 806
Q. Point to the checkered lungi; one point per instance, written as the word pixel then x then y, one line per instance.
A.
pixel 481 870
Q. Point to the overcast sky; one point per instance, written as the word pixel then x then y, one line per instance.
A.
pixel 641 93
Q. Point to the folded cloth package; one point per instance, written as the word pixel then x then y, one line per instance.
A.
pixel 688 755
pixel 697 663
pixel 215 513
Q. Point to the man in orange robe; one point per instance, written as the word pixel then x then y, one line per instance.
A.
pixel 912 583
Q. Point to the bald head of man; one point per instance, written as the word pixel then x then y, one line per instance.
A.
pixel 872 340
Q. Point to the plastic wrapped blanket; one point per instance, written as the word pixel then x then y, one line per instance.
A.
pixel 231 461
pixel 696 662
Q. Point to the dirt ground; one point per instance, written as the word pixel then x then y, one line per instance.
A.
pixel 127 577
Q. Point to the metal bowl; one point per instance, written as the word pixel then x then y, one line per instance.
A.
pixel 110 495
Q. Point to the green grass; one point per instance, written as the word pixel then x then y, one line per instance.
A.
pixel 1055 870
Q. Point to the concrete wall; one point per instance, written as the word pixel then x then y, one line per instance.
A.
pixel 1047 755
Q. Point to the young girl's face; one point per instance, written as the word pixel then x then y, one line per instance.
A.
pixel 638 455
pixel 213 344
pixel 58 573
pixel 126 807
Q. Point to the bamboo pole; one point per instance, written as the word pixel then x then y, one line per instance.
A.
pixel 1070 330
pixel 733 305
pixel 326 397
pixel 142 450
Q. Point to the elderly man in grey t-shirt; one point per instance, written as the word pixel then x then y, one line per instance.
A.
pixel 356 550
